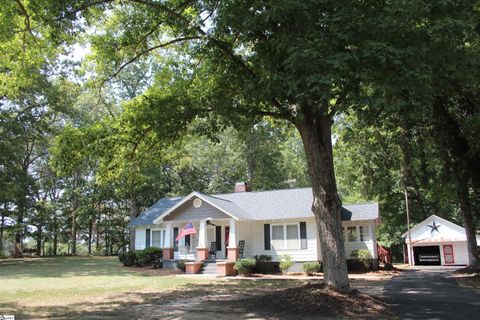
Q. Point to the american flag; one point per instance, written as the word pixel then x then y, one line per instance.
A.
pixel 187 229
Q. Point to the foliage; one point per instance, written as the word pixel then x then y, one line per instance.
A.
pixel 312 267
pixel 364 257
pixel 286 262
pixel 181 265
pixel 245 266
pixel 128 258
pixel 148 256
pixel 263 258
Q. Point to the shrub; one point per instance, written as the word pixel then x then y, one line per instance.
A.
pixel 148 256
pixel 181 265
pixel 265 264
pixel 263 258
pixel 312 267
pixel 128 258
pixel 286 262
pixel 245 266
pixel 365 257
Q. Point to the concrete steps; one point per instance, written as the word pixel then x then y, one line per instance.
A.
pixel 209 267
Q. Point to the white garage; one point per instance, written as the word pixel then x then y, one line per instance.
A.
pixel 437 241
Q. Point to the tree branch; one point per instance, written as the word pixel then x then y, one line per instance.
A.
pixel 162 45
pixel 27 19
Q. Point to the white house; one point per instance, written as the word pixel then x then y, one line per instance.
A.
pixel 437 241
pixel 268 222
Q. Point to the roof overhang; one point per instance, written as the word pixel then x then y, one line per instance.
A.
pixel 445 221
pixel 187 198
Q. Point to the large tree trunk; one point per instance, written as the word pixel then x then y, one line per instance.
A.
pixel 39 240
pixel 133 215
pixel 74 213
pixel 90 230
pixel 55 235
pixel 315 131
pixel 466 209
pixel 97 238
pixel 74 232
pixel 19 235
pixel 458 166
pixel 2 224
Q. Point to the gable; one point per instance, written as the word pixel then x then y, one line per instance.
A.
pixel 188 212
pixel 435 228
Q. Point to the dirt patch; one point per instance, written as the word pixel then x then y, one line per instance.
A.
pixel 468 270
pixel 225 300
pixel 469 281
pixel 312 300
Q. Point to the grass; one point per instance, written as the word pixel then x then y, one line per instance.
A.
pixel 100 288
pixel 30 283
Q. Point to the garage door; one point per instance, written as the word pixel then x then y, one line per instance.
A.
pixel 427 256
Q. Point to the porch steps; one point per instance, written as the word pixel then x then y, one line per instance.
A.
pixel 169 264
pixel 209 267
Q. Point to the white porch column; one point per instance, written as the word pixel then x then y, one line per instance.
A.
pixel 168 253
pixel 168 235
pixel 202 250
pixel 202 234
pixel 232 239
pixel 232 249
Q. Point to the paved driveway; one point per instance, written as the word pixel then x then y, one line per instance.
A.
pixel 429 293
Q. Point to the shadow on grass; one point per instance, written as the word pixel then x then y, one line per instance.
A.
pixel 220 300
pixel 61 267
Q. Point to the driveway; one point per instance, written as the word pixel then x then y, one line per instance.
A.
pixel 430 293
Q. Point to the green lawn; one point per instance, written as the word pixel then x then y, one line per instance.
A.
pixel 100 288
pixel 30 285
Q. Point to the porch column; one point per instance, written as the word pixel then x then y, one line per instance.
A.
pixel 232 250
pixel 202 249
pixel 168 247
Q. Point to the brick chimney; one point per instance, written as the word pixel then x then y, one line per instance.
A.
pixel 242 187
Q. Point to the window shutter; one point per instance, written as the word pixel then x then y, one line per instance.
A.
pixel 266 232
pixel 147 238
pixel 218 237
pixel 303 235
pixel 175 242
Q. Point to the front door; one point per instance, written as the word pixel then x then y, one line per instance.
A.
pixel 448 254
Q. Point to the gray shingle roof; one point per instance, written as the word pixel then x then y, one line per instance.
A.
pixel 264 205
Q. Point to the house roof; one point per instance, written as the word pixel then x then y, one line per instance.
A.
pixel 262 205
pixel 447 231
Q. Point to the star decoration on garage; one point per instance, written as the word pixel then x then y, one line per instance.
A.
pixel 434 227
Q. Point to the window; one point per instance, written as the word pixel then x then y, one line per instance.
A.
pixel 292 237
pixel 285 236
pixel 352 234
pixel 364 233
pixel 156 237
pixel 278 237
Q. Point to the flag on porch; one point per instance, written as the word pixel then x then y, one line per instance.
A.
pixel 187 229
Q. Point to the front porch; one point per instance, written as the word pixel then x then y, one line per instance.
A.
pixel 214 240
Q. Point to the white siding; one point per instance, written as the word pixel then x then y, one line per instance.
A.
pixel 245 233
pixel 299 255
pixel 140 238
pixel 359 245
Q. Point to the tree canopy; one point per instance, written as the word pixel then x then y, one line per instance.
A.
pixel 175 96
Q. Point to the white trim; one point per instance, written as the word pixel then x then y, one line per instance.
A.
pixel 445 221
pixel 184 200
pixel 285 240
